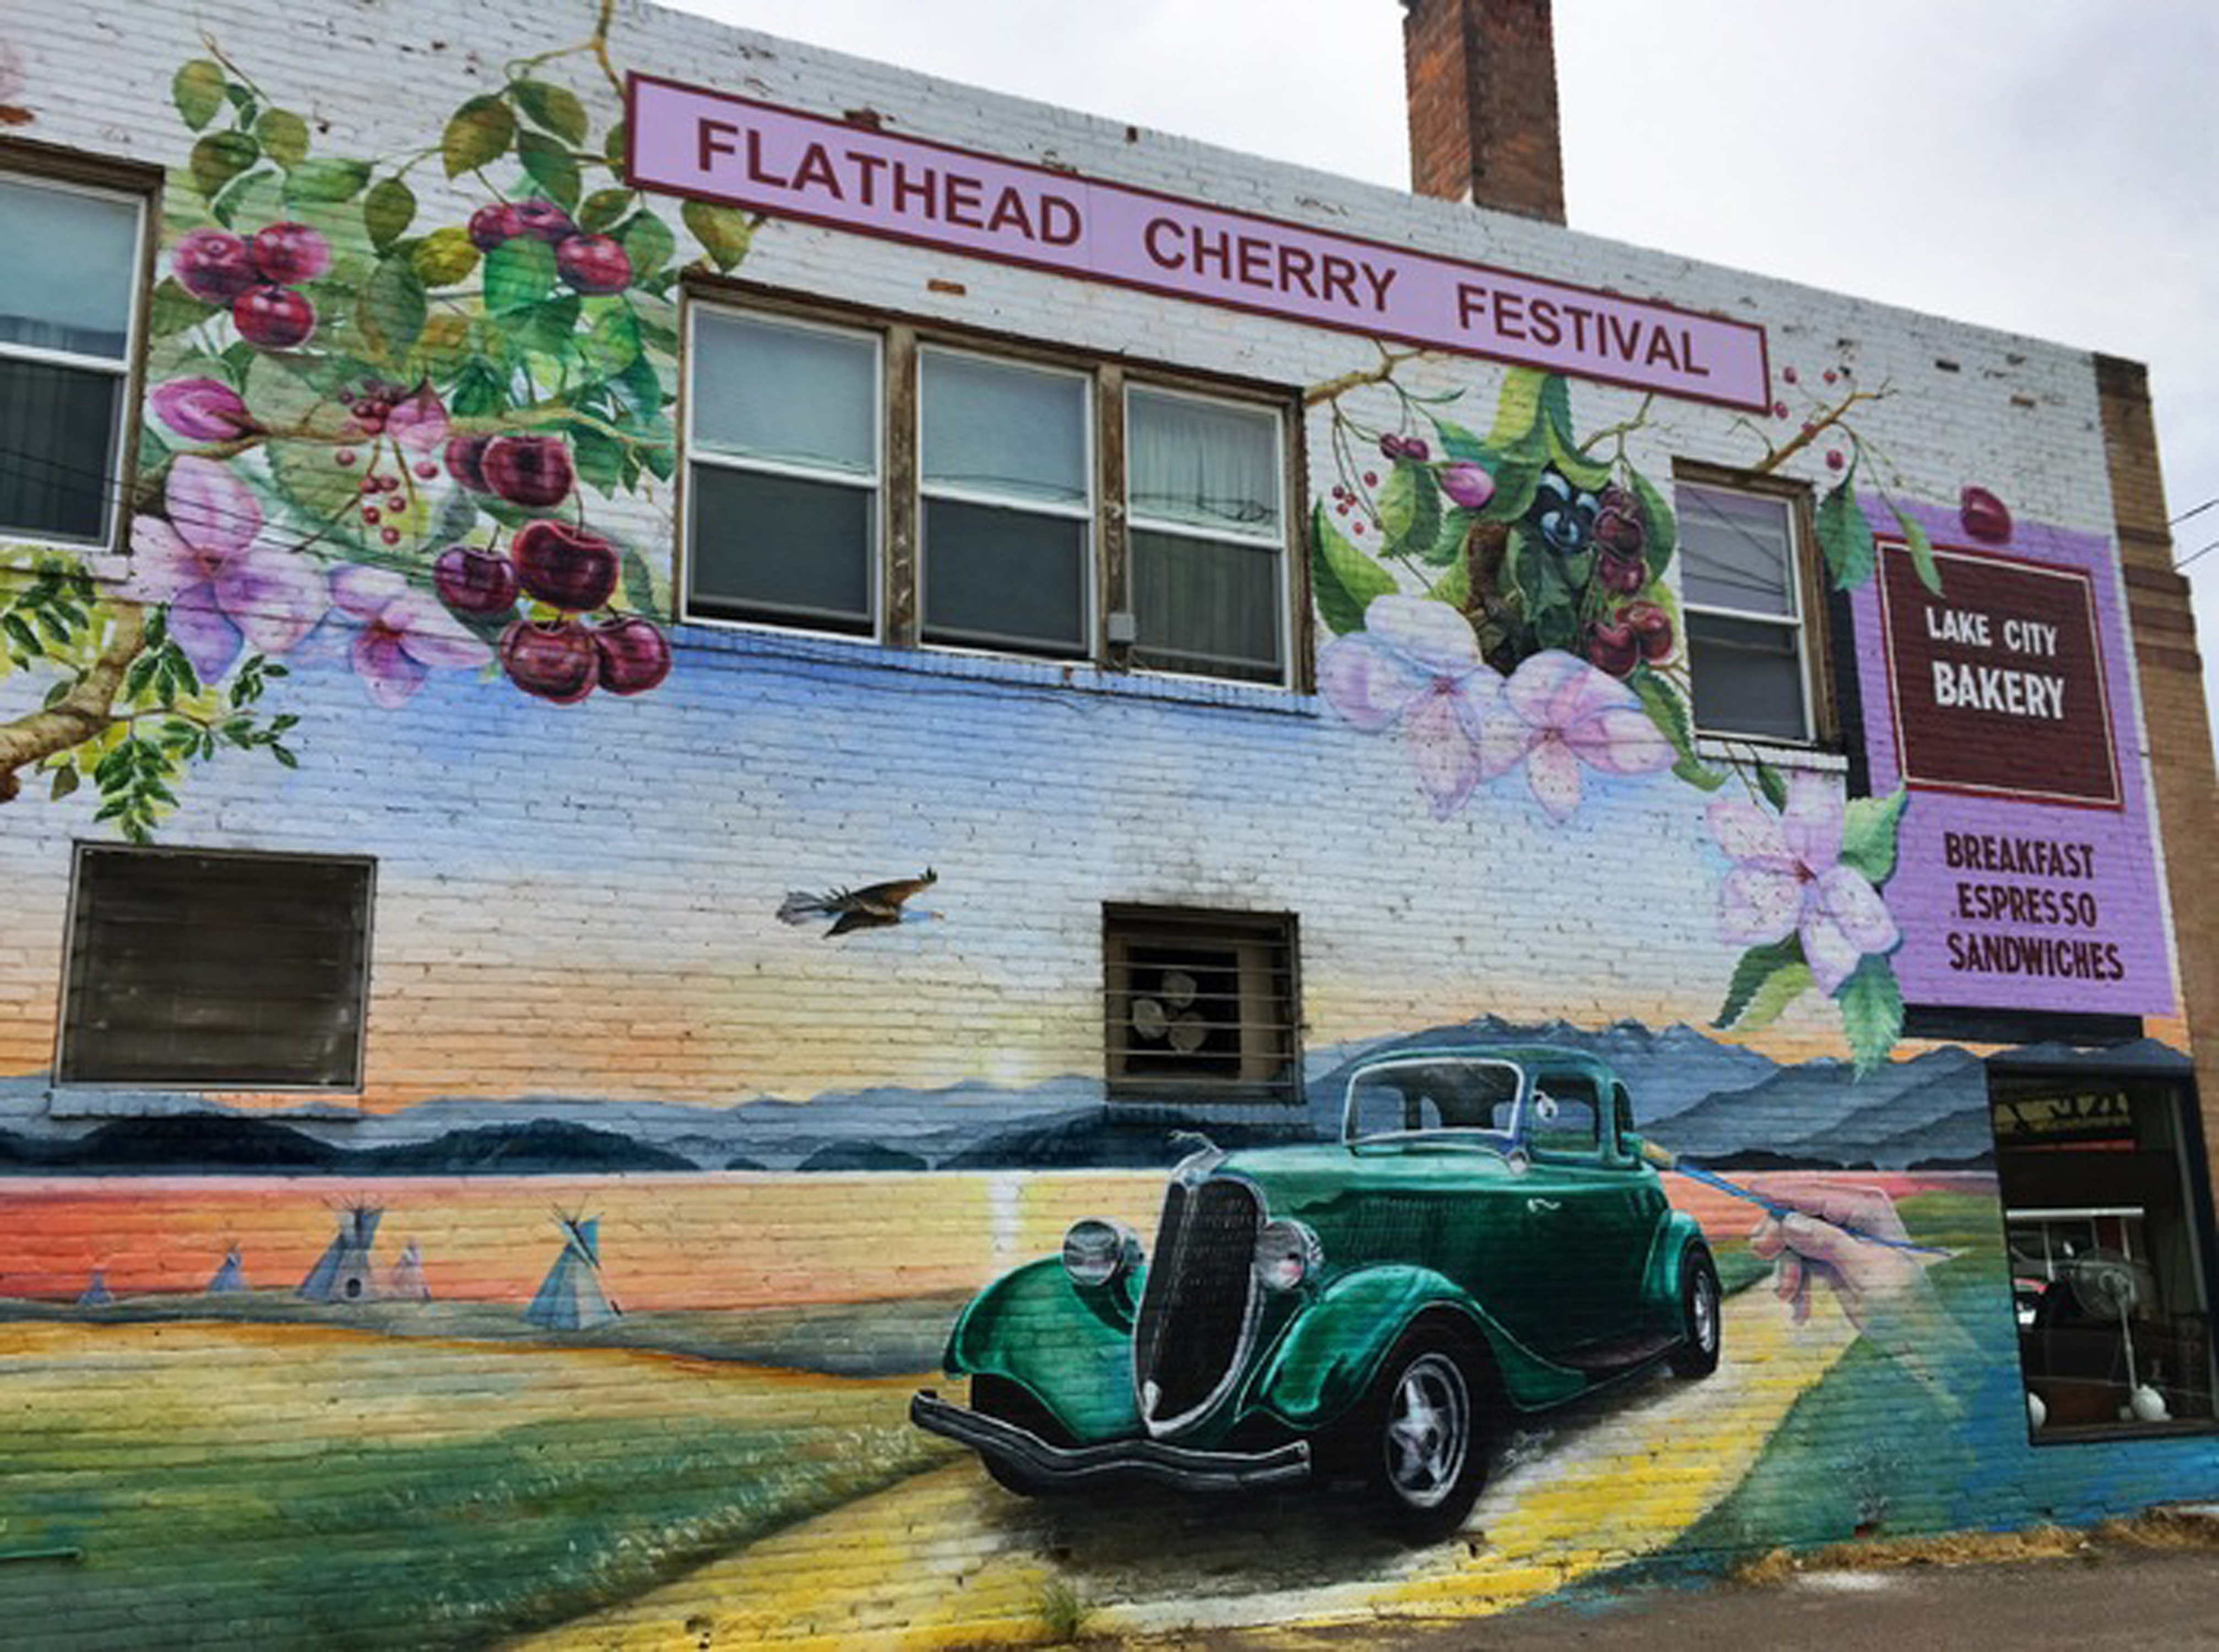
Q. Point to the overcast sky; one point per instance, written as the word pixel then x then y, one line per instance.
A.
pixel 2049 167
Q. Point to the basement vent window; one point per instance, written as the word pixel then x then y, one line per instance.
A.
pixel 215 970
pixel 1202 1007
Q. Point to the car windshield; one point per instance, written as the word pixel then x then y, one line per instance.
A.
pixel 1476 1096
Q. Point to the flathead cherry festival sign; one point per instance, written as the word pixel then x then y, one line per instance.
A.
pixel 712 146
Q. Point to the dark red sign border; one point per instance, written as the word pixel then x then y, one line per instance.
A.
pixel 634 80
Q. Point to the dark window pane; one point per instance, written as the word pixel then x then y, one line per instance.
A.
pixel 1736 551
pixel 1004 579
pixel 57 449
pixel 231 972
pixel 780 548
pixel 1206 607
pixel 1748 677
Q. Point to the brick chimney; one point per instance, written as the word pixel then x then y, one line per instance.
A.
pixel 1482 85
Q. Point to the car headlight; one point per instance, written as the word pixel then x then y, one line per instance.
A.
pixel 1287 1255
pixel 1095 1253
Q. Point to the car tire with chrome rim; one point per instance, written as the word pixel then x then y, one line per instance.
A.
pixel 1697 1353
pixel 1421 1439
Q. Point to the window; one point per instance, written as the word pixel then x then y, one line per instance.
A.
pixel 66 327
pixel 2106 1264
pixel 871 481
pixel 215 970
pixel 1743 593
pixel 1202 1006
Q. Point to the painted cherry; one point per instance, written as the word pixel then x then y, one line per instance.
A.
pixel 491 226
pixel 593 264
pixel 556 662
pixel 1613 647
pixel 1985 516
pixel 542 220
pixel 213 266
pixel 634 655
pixel 1651 627
pixel 273 318
pixel 474 581
pixel 533 471
pixel 568 567
pixel 465 458
pixel 287 254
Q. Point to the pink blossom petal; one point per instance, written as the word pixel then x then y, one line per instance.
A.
pixel 1757 905
pixel 1831 955
pixel 201 409
pixel 1477 694
pixel 1433 636
pixel 1623 739
pixel 1448 764
pixel 1541 680
pixel 385 668
pixel 198 626
pixel 432 636
pixel 1553 772
pixel 274 596
pixel 420 422
pixel 1811 822
pixel 1368 683
pixel 1849 902
pixel 1505 738
pixel 162 564
pixel 364 592
pixel 1750 833
pixel 211 509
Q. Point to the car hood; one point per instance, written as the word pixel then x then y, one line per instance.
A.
pixel 1297 1179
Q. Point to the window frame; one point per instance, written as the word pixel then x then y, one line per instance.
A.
pixel 139 189
pixel 1124 924
pixel 74 923
pixel 1805 588
pixel 896 561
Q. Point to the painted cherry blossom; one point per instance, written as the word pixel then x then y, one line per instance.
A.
pixel 202 410
pixel 1558 714
pixel 419 422
pixel 222 589
pixel 1789 880
pixel 406 634
pixel 1416 664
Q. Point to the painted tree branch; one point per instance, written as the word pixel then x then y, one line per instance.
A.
pixel 1331 389
pixel 77 716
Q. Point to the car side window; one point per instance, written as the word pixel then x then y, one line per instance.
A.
pixel 1563 1117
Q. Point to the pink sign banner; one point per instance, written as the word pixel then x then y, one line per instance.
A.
pixel 712 146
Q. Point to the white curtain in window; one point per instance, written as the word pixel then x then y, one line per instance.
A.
pixel 1203 465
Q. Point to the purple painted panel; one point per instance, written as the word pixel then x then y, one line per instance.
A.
pixel 2025 877
pixel 711 146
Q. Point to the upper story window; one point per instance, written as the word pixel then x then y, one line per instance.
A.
pixel 1746 596
pixel 868 480
pixel 67 321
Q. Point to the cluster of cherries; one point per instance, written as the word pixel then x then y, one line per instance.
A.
pixel 587 264
pixel 564 565
pixel 257 277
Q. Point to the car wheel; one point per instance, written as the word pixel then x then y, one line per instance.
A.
pixel 1697 1354
pixel 1421 1436
pixel 1012 1402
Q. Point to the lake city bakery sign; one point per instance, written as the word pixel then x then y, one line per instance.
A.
pixel 2025 876
pixel 707 146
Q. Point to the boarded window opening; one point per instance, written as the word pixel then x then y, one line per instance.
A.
pixel 1200 1006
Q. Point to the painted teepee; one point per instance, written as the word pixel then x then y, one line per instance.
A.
pixel 404 1281
pixel 231 1278
pixel 570 1298
pixel 96 1293
pixel 344 1273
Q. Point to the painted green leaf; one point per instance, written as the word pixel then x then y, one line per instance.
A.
pixel 1756 966
pixel 1663 531
pixel 554 107
pixel 1516 473
pixel 1921 548
pixel 1578 468
pixel 611 344
pixel 1868 834
pixel 518 275
pixel 480 133
pixel 478 390
pixel 613 145
pixel 392 309
pixel 1454 587
pixel 1845 538
pixel 599 458
pixel 1668 712
pixel 1872 1012
pixel 604 208
pixel 283 136
pixel 639 584
pixel 1769 782
pixel 174 309
pixel 1343 579
pixel 1447 548
pixel 1458 443
pixel 721 230
pixel 249 199
pixel 1557 410
pixel 1519 410
pixel 446 258
pixel 549 163
pixel 1773 994
pixel 312 484
pixel 197 91
pixel 220 157
pixel 387 212
pixel 1409 510
pixel 326 180
pixel 647 242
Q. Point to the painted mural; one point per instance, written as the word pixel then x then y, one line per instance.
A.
pixel 613 1364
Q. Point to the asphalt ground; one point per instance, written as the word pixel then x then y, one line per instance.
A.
pixel 2143 1584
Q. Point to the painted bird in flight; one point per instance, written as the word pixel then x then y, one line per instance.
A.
pixel 871 907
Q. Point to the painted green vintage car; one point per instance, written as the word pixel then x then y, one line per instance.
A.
pixel 1488 1239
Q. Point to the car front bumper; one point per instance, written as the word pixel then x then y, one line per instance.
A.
pixel 1070 1465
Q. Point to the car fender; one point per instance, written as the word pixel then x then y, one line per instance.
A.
pixel 1660 1289
pixel 1072 1348
pixel 1332 1351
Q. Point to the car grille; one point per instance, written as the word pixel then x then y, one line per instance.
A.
pixel 1195 1309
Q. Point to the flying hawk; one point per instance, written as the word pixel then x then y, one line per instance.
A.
pixel 871 907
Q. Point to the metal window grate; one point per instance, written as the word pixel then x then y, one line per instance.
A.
pixel 215 970
pixel 1202 1006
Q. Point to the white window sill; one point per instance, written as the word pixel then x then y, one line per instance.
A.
pixel 1740 747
